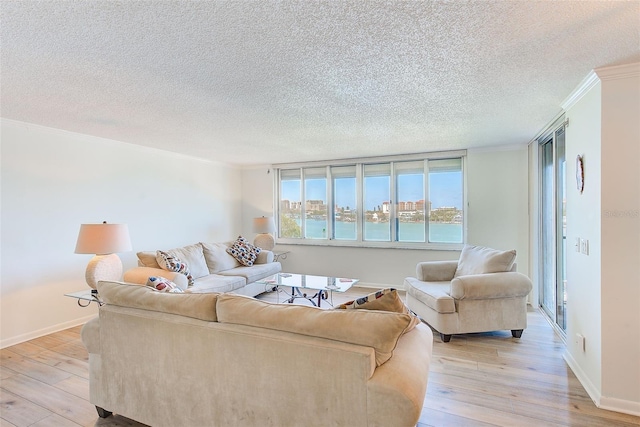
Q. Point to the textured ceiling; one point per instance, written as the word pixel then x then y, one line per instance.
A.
pixel 257 82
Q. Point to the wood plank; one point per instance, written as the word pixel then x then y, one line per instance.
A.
pixel 20 411
pixel 481 413
pixel 64 363
pixel 51 398
pixel 36 370
pixel 55 420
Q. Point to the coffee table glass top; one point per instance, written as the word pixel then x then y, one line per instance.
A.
pixel 308 281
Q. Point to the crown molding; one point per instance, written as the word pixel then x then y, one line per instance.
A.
pixel 618 71
pixel 585 86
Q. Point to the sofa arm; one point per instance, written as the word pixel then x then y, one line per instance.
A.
pixel 264 257
pixel 140 275
pixel 90 335
pixel 491 285
pixel 436 271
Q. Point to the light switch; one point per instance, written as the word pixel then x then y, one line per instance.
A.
pixel 584 246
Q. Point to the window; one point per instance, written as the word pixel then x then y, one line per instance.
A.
pixel 345 212
pixel 403 201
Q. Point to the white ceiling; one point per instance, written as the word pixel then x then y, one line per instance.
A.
pixel 258 82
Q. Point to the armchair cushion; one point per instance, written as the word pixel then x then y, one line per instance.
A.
pixel 481 260
pixel 434 295
pixel 492 285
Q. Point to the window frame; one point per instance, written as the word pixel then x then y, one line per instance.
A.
pixel 359 164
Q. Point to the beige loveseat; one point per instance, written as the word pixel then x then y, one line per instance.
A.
pixel 479 292
pixel 200 360
pixel 212 268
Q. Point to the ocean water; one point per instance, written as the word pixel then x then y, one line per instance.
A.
pixel 381 231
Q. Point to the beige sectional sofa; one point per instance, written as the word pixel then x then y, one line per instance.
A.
pixel 212 268
pixel 167 359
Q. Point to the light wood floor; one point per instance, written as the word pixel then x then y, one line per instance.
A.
pixel 475 380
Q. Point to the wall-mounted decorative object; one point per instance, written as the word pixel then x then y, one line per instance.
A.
pixel 579 173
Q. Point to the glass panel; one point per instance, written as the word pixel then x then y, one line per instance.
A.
pixel 315 204
pixel 548 230
pixel 377 192
pixel 345 218
pixel 446 193
pixel 410 206
pixel 290 207
pixel 561 229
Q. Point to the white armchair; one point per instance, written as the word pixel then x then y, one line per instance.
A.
pixel 478 293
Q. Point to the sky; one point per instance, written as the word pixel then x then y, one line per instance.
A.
pixel 445 190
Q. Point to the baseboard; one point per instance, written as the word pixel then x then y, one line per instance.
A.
pixel 602 402
pixel 619 405
pixel 8 342
pixel 589 387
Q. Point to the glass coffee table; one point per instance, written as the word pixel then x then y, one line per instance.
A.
pixel 312 288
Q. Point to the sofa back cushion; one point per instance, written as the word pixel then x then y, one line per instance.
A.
pixel 191 255
pixel 481 260
pixel 379 330
pixel 217 258
pixel 198 306
pixel 147 259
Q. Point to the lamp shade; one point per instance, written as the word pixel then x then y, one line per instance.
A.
pixel 263 224
pixel 101 239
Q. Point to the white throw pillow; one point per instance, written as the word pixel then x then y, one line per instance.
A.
pixel 481 260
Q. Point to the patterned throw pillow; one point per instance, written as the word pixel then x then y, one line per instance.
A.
pixel 244 251
pixel 170 263
pixel 163 285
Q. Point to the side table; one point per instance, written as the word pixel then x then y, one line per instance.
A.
pixel 277 256
pixel 88 296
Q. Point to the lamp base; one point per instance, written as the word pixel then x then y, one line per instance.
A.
pixel 103 267
pixel 264 241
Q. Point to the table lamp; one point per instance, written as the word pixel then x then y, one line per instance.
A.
pixel 103 240
pixel 264 226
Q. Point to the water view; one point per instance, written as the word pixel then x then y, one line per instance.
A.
pixel 380 231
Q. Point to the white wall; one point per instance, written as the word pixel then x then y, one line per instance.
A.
pixel 498 192
pixel 583 221
pixel 621 236
pixel 52 181
pixel 604 286
pixel 498 203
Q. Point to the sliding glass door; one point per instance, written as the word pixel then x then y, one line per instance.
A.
pixel 553 296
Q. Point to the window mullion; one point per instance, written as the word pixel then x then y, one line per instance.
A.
pixel 331 215
pixel 303 207
pixel 360 202
pixel 427 204
pixel 393 196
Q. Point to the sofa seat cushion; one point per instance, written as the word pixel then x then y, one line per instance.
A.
pixel 255 272
pixel 201 307
pixel 434 295
pixel 217 283
pixel 379 330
